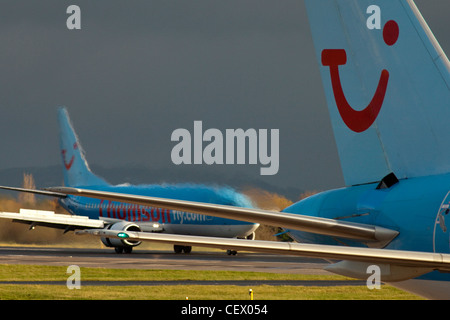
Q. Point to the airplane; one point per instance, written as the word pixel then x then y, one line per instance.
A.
pixel 115 215
pixel 386 81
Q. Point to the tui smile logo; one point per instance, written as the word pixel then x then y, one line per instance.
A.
pixel 69 164
pixel 359 120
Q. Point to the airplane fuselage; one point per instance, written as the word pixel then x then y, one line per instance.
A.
pixel 152 219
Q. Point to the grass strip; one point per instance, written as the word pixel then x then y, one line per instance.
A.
pixel 176 292
pixel 197 292
pixel 59 273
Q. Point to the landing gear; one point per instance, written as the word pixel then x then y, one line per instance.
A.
pixel 180 249
pixel 251 236
pixel 120 250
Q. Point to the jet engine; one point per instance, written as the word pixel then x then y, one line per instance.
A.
pixel 122 245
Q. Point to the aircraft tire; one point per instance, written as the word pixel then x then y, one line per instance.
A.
pixel 187 249
pixel 128 249
pixel 178 249
pixel 182 249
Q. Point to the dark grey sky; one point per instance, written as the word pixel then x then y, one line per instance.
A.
pixel 137 70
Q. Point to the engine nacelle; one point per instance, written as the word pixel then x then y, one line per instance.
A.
pixel 122 226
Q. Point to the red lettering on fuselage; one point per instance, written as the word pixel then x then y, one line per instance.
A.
pixel 144 216
pixel 133 212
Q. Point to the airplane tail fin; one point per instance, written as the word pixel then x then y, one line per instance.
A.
pixel 387 85
pixel 75 167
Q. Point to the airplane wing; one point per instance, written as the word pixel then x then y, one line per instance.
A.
pixel 51 219
pixel 373 236
pixel 421 262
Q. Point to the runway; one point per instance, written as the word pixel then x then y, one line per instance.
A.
pixel 160 259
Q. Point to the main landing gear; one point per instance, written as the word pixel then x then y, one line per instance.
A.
pixel 123 249
pixel 181 249
pixel 188 249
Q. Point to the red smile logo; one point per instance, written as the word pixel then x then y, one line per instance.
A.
pixel 68 165
pixel 358 121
